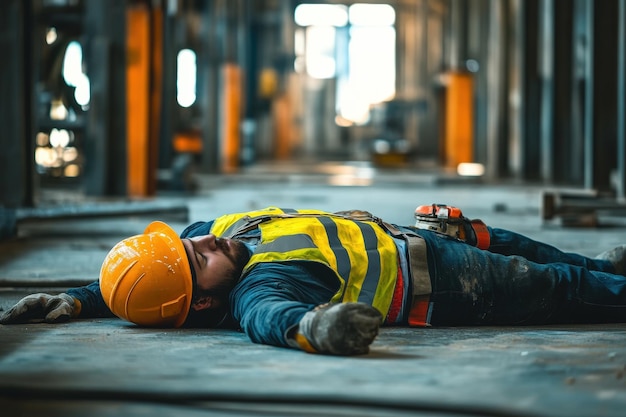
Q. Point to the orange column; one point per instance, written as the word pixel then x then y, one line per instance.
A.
pixel 231 117
pixel 459 123
pixel 281 110
pixel 137 98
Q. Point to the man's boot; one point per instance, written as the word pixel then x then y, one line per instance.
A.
pixel 617 256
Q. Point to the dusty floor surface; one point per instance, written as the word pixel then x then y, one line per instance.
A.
pixel 106 367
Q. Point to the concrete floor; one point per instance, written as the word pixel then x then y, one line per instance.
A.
pixel 107 367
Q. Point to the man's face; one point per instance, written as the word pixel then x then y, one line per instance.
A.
pixel 217 262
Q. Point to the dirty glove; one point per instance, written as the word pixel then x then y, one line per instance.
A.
pixel 37 307
pixel 338 329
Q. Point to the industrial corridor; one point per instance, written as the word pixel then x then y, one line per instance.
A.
pixel 313 208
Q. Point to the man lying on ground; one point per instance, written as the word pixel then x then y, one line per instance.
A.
pixel 325 282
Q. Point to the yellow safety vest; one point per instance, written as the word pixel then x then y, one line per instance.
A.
pixel 362 255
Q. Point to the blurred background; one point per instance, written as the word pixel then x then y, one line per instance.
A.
pixel 110 99
pixel 115 113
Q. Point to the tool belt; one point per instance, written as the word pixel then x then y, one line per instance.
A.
pixel 450 221
pixel 419 314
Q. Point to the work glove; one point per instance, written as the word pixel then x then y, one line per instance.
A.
pixel 42 307
pixel 338 329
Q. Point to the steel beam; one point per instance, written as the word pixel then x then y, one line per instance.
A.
pixel 17 156
pixel 105 147
pixel 621 101
pixel 589 96
pixel 496 89
pixel 103 210
pixel 546 71
pixel 16 140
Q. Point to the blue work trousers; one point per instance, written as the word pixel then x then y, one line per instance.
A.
pixel 519 281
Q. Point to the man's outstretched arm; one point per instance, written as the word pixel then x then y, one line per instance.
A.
pixel 287 306
pixel 82 302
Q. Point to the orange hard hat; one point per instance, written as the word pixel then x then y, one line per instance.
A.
pixel 146 279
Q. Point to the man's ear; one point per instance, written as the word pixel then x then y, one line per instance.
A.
pixel 203 303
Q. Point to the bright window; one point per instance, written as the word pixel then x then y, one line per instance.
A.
pixel 372 61
pixel 320 51
pixel 372 15
pixel 186 68
pixel 321 15
pixel 73 74
pixel 356 45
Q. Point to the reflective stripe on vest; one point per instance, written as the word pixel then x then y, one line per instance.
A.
pixel 361 253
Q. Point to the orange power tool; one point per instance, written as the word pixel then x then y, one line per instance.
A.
pixel 450 221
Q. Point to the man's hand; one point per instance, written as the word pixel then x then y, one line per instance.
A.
pixel 341 329
pixel 37 307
